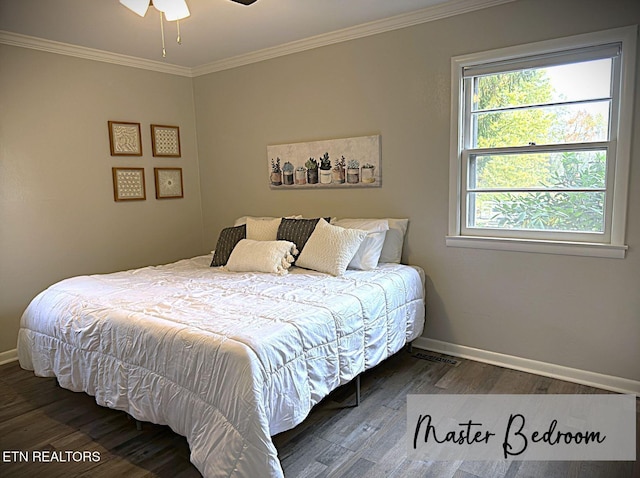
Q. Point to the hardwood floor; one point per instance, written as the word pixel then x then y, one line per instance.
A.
pixel 336 440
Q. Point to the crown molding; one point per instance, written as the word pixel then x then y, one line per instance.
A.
pixel 34 43
pixel 429 14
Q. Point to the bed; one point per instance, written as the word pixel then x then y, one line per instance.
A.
pixel 225 358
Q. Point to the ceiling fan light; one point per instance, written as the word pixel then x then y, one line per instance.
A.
pixel 172 9
pixel 138 6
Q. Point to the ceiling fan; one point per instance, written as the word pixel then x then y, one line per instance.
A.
pixel 172 10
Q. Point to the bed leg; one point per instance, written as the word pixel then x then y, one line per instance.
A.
pixel 357 390
pixel 410 347
pixel 138 422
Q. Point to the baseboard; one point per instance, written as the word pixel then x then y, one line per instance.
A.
pixel 8 356
pixel 584 377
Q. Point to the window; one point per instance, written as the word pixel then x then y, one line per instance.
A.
pixel 540 145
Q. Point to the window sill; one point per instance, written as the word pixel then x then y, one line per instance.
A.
pixel 537 246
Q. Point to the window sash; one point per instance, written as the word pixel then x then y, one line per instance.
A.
pixel 577 236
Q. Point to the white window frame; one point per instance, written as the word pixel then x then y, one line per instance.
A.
pixel 611 243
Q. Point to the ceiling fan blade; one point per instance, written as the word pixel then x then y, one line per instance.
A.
pixel 172 9
pixel 245 2
pixel 138 6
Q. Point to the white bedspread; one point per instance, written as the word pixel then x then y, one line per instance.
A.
pixel 225 359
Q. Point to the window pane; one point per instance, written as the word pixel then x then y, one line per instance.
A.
pixel 580 81
pixel 542 211
pixel 576 123
pixel 574 169
pixel 573 82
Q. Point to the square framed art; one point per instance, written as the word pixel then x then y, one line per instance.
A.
pixel 168 183
pixel 165 141
pixel 125 138
pixel 128 184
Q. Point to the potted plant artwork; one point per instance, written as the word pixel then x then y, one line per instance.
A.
pixel 276 172
pixel 337 173
pixel 325 169
pixel 312 171
pixel 368 173
pixel 353 171
pixel 301 175
pixel 287 173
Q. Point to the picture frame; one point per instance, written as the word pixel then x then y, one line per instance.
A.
pixel 165 141
pixel 128 184
pixel 168 183
pixel 125 138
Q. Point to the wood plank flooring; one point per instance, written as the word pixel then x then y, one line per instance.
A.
pixel 337 440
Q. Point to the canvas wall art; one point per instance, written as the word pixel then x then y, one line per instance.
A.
pixel 334 163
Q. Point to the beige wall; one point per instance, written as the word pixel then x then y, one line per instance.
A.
pixel 57 213
pixel 573 311
pixel 58 218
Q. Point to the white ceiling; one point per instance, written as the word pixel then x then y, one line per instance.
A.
pixel 216 30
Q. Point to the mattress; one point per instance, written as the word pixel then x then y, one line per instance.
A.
pixel 225 359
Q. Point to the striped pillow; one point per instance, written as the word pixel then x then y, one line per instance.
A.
pixel 227 240
pixel 297 231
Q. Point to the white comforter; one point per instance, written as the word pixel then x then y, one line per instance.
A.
pixel 225 359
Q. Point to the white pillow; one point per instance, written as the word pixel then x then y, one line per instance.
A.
pixel 263 229
pixel 368 254
pixel 394 240
pixel 243 220
pixel 261 256
pixel 330 248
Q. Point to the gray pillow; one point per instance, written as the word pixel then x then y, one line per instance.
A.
pixel 227 240
pixel 297 230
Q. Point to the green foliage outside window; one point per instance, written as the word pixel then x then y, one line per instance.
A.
pixel 560 211
pixel 544 210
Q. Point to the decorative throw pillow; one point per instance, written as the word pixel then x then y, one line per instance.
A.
pixel 262 256
pixel 262 229
pixel 394 241
pixel 297 231
pixel 227 240
pixel 368 254
pixel 330 248
pixel 243 220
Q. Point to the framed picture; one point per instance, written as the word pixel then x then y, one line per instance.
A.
pixel 124 138
pixel 128 184
pixel 165 141
pixel 334 163
pixel 168 183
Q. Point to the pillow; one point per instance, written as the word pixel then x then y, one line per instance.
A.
pixel 262 229
pixel 330 248
pixel 394 240
pixel 262 256
pixel 227 240
pixel 297 231
pixel 243 220
pixel 368 254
